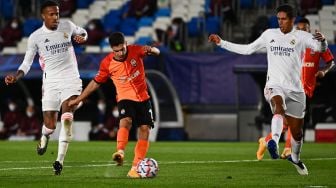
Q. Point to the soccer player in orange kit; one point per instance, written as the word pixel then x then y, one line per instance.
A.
pixel 124 65
pixel 310 71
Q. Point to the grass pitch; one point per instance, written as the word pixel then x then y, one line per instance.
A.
pixel 182 164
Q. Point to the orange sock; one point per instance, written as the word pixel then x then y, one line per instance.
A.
pixel 140 151
pixel 122 138
pixel 268 137
pixel 288 139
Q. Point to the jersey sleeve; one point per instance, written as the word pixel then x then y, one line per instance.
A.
pixel 103 72
pixel 137 49
pixel 244 49
pixel 142 51
pixel 29 55
pixel 327 56
pixel 76 30
pixel 310 42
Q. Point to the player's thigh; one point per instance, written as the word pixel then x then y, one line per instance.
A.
pixel 296 104
pixel 51 100
pixel 127 109
pixel 144 114
pixel 70 88
pixel 275 95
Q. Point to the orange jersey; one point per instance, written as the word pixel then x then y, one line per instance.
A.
pixel 128 76
pixel 310 67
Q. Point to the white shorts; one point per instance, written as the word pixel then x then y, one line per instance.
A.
pixel 55 93
pixel 294 102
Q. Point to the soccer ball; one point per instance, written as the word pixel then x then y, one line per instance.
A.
pixel 147 168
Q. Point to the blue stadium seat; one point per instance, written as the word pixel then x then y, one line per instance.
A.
pixel 212 25
pixel 128 26
pixel 207 6
pixel 111 20
pixel 30 25
pixel 6 9
pixel 273 22
pixel 144 41
pixel 163 12
pixel 195 27
pixel 145 21
pixel 246 4
pixel 83 3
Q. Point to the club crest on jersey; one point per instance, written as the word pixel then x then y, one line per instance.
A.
pixel 66 35
pixel 292 42
pixel 312 52
pixel 133 63
pixel 122 111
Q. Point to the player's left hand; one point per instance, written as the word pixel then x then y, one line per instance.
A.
pixel 214 38
pixel 10 79
pixel 147 49
pixel 318 36
pixel 79 39
pixel 320 74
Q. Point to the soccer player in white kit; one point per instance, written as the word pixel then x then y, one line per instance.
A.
pixel 61 81
pixel 284 91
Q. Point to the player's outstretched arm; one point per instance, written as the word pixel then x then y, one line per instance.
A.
pixel 91 87
pixel 214 38
pixel 320 37
pixel 321 73
pixel 11 79
pixel 149 50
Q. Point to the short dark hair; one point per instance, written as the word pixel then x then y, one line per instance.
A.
pixel 48 3
pixel 116 39
pixel 304 20
pixel 288 9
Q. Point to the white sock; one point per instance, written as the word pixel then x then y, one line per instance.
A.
pixel 296 149
pixel 64 136
pixel 45 133
pixel 276 127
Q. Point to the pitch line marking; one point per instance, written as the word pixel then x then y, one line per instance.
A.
pixel 110 164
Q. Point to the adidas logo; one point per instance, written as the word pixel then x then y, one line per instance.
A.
pixel 272 41
pixel 46 40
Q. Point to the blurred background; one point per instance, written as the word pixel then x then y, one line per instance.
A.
pixel 199 91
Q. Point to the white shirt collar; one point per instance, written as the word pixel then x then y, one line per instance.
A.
pixel 45 29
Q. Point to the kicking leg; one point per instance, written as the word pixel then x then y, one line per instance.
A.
pixel 49 126
pixel 278 121
pixel 140 150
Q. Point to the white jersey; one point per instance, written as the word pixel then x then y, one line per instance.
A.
pixel 57 56
pixel 284 55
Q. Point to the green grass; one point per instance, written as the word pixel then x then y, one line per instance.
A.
pixel 182 164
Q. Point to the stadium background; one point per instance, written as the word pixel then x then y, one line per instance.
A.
pixel 219 92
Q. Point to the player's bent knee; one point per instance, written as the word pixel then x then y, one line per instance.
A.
pixel 67 116
pixel 66 133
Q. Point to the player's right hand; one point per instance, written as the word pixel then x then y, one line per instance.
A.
pixel 10 79
pixel 73 102
pixel 214 38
